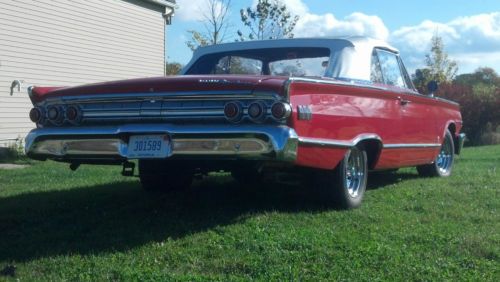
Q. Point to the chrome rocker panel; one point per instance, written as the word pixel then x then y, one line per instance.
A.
pixel 267 142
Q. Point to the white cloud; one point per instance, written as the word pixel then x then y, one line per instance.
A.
pixel 296 7
pixel 470 61
pixel 194 10
pixel 416 38
pixel 310 24
pixel 472 41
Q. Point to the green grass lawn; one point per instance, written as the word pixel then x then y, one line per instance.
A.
pixel 94 224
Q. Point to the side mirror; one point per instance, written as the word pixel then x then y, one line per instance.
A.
pixel 432 87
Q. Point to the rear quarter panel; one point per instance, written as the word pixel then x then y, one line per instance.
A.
pixel 341 112
pixel 344 112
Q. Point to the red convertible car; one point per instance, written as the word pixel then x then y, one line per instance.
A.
pixel 334 107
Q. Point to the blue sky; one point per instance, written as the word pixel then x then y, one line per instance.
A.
pixel 470 29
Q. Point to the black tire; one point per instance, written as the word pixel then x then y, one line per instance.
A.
pixel 443 164
pixel 159 175
pixel 340 186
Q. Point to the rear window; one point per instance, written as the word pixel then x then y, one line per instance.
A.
pixel 296 61
pixel 300 67
pixel 238 65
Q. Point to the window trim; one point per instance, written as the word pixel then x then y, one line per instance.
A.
pixel 375 55
pixel 402 70
pixel 406 75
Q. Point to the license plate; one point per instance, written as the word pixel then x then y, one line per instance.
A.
pixel 148 146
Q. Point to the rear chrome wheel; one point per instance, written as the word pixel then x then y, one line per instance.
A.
pixel 443 163
pixel 346 184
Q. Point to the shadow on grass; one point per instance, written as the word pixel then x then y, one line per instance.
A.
pixel 120 216
pixel 378 180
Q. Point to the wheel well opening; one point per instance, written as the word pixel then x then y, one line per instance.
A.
pixel 372 148
pixel 452 128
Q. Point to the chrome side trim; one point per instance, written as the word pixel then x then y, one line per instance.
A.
pixel 338 143
pixel 409 145
pixel 445 100
pixel 304 112
pixel 353 142
pixel 286 90
pixel 333 81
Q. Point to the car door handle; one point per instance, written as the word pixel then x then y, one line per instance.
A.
pixel 403 101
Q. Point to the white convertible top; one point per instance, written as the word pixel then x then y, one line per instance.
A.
pixel 350 57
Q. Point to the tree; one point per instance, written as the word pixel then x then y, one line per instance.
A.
pixel 172 68
pixel 268 20
pixel 480 115
pixel 216 24
pixel 481 75
pixel 438 66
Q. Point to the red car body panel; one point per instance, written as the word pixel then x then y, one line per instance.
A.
pixel 341 112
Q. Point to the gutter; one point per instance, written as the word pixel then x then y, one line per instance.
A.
pixel 164 3
pixel 169 6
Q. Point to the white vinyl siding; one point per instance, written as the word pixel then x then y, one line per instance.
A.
pixel 62 42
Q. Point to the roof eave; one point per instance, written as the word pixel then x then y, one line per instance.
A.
pixel 164 3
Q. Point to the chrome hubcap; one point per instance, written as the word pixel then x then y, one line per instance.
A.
pixel 444 160
pixel 355 173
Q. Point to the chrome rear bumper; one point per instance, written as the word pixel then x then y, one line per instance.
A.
pixel 276 142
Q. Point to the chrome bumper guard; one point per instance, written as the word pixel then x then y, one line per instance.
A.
pixel 459 143
pixel 276 142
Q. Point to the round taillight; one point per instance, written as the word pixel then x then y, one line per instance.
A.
pixel 232 111
pixel 256 110
pixel 72 113
pixel 280 110
pixel 53 113
pixel 35 115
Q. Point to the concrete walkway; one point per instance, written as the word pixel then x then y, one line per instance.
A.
pixel 12 166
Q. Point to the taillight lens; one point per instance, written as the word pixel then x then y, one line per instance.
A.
pixel 280 110
pixel 257 111
pixel 233 111
pixel 72 114
pixel 36 115
pixel 53 113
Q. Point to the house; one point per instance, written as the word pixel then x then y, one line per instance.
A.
pixel 60 42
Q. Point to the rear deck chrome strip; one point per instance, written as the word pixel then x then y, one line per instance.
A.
pixel 171 96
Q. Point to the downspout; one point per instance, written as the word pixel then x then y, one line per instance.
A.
pixel 167 15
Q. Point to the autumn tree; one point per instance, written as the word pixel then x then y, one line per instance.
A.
pixel 268 20
pixel 216 23
pixel 172 68
pixel 439 66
